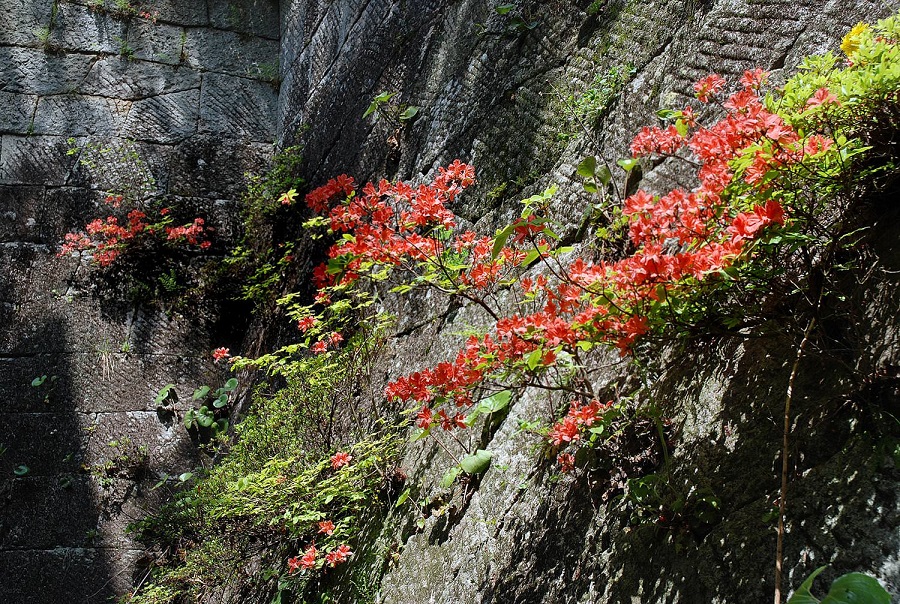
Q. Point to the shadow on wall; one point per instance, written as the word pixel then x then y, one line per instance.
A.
pixel 50 542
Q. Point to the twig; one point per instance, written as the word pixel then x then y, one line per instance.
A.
pixel 779 549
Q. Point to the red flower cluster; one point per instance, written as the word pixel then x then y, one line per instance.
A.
pixel 307 562
pixel 568 429
pixel 327 527
pixel 681 238
pixel 106 238
pixel 191 233
pixel 387 222
pixel 220 354
pixel 338 555
pixel 340 459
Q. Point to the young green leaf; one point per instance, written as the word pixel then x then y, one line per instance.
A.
pixel 588 167
pixel 477 463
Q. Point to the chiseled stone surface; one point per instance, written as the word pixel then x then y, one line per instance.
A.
pixel 90 434
pixel 197 92
pixel 495 96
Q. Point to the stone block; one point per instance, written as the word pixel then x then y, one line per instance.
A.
pixel 44 512
pixel 195 166
pixel 78 28
pixel 59 575
pixel 237 107
pixel 48 443
pixel 229 52
pixel 166 118
pixel 80 115
pixel 39 160
pixel 155 41
pixel 21 210
pixel 255 17
pixel 33 71
pixel 16 111
pixel 179 12
pixel 22 20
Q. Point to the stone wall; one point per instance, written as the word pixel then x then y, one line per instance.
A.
pixel 194 87
pixel 494 94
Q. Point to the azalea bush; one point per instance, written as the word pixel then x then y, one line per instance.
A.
pixel 776 175
pixel 143 242
pixel 772 217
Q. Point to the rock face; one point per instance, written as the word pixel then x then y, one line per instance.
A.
pixel 194 88
pixel 497 92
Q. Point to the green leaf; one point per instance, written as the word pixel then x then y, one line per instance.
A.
pixel 409 113
pixel 604 175
pixel 222 425
pixel 530 257
pixel 186 476
pixel 200 392
pixel 403 497
pixel 205 417
pixel 230 384
pixel 38 381
pixel 449 477
pixel 168 392
pixel 21 470
pixel 477 463
pixel 500 240
pixel 588 167
pixel 590 187
pixel 221 401
pixel 628 164
pixel 534 358
pixel 667 114
pixel 803 595
pixel 495 402
pixel 856 588
pixel 504 8
pixel 189 418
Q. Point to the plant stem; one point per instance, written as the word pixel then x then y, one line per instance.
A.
pixel 779 549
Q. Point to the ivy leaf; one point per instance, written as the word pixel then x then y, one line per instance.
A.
pixel 200 392
pixel 38 381
pixel 221 401
pixel 230 385
pixel 477 463
pixel 21 470
pixel 189 418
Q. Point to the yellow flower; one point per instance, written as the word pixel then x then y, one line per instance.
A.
pixel 850 43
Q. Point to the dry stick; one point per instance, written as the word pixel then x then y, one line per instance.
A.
pixel 779 550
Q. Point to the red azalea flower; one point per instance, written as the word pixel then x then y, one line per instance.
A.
pixel 340 459
pixel 336 556
pixel 326 526
pixel 220 353
pixel 308 560
pixel 294 564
